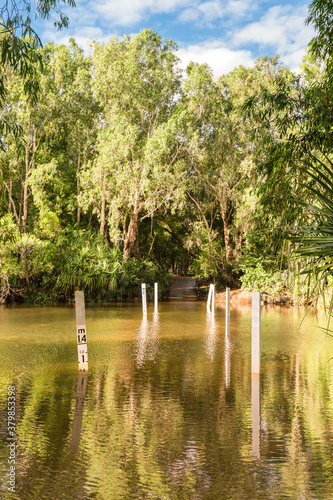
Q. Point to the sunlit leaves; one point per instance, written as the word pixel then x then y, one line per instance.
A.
pixel 135 172
pixel 320 16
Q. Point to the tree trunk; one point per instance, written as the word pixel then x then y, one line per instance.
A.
pixel 226 232
pixel 131 236
pixel 78 210
pixel 11 205
pixel 102 226
pixel 10 195
pixel 25 190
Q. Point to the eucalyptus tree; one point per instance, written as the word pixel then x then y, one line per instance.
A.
pixel 19 49
pixel 71 132
pixel 221 158
pixel 294 122
pixel 40 167
pixel 139 168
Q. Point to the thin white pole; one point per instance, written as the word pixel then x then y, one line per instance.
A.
pixel 227 311
pixel 213 299
pixel 156 297
pixel 255 386
pixel 227 361
pixel 227 335
pixel 255 406
pixel 144 299
pixel 81 331
pixel 209 297
pixel 256 327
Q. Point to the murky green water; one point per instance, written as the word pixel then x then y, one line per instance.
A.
pixel 166 410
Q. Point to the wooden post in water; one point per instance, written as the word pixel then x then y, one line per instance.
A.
pixel 144 299
pixel 256 327
pixel 155 297
pixel 81 331
pixel 227 311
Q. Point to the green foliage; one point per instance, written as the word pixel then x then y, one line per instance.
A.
pixel 258 279
pixel 26 261
pixel 117 180
pixel 19 49
pixel 137 170
pixel 133 273
pixel 320 16
pixel 87 263
pixel 314 239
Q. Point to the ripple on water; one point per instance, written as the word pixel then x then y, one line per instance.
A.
pixel 170 409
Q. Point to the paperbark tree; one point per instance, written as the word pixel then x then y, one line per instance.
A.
pixel 18 48
pixel 138 169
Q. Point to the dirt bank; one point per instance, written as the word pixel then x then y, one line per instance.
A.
pixel 243 297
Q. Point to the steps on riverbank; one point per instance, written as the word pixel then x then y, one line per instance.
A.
pixel 183 288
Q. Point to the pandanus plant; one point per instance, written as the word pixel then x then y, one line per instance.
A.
pixel 88 264
pixel 314 239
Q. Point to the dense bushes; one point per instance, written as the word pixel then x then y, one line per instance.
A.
pixel 41 271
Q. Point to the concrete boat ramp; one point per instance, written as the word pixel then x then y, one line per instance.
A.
pixel 183 288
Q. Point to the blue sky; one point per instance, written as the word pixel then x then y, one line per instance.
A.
pixel 222 33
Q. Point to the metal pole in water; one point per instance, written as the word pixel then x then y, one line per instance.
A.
pixel 81 331
pixel 209 297
pixel 227 311
pixel 144 299
pixel 156 297
pixel 256 327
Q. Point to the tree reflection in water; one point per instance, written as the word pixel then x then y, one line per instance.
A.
pixel 171 410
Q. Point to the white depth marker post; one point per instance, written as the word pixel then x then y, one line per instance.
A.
pixel 144 299
pixel 156 297
pixel 255 406
pixel 227 311
pixel 256 319
pixel 213 299
pixel 82 349
pixel 209 297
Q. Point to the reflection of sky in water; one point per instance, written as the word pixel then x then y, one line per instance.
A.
pixel 191 424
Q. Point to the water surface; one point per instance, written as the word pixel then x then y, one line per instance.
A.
pixel 168 409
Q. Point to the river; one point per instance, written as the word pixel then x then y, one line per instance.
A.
pixel 168 408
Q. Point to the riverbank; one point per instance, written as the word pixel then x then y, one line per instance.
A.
pixel 242 297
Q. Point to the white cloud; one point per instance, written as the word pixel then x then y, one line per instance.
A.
pixel 130 12
pixel 204 14
pixel 188 16
pixel 294 59
pixel 240 7
pixel 281 28
pixel 211 10
pixel 83 37
pixel 220 58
